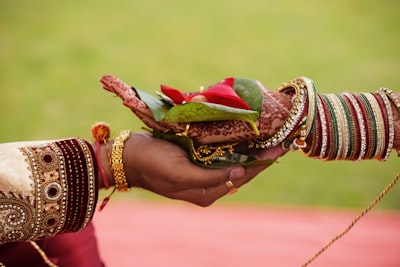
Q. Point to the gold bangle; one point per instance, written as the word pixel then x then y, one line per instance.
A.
pixel 117 165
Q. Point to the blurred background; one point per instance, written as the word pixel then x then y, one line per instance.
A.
pixel 52 54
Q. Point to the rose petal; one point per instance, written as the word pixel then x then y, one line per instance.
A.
pixel 224 94
pixel 221 93
pixel 228 81
pixel 176 96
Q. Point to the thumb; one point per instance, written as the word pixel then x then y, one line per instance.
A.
pixel 131 100
pixel 206 177
pixel 235 173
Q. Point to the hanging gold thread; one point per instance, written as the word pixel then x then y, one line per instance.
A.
pixel 362 214
pixel 42 254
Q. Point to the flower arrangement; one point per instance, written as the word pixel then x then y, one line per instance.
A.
pixel 230 99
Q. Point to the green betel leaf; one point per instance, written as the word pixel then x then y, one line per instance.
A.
pixel 157 107
pixel 250 91
pixel 203 111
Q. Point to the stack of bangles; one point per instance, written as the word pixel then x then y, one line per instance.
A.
pixel 343 126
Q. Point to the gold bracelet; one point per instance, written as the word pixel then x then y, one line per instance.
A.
pixel 117 165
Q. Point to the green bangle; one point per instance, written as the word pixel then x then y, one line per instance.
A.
pixel 351 122
pixel 350 126
pixel 334 138
pixel 341 129
pixel 372 129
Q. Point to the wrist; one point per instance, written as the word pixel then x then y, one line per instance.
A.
pixel 104 170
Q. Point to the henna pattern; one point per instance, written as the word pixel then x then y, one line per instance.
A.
pixel 275 110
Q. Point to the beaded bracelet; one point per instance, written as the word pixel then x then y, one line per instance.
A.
pixel 372 130
pixel 393 97
pixel 309 124
pixel 384 113
pixel 353 125
pixel 350 127
pixel 361 125
pixel 293 119
pixel 314 139
pixel 312 103
pixel 389 112
pixel 341 128
pixel 333 145
pixel 324 127
pixel 117 165
pixel 380 125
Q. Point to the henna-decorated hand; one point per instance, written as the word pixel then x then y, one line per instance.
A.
pixel 274 111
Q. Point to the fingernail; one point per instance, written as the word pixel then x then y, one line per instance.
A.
pixel 236 173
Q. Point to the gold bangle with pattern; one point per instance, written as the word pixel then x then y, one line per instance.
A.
pixel 117 165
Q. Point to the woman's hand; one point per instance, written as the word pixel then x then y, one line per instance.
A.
pixel 164 168
pixel 275 110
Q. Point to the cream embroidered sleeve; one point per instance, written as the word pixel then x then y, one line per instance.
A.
pixel 46 188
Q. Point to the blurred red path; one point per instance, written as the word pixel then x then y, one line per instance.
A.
pixel 182 235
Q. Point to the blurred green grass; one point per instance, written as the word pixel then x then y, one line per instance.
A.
pixel 52 54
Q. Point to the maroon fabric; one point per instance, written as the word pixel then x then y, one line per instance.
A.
pixel 78 183
pixel 66 250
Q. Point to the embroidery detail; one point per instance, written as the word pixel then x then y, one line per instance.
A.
pixel 65 193
pixel 17 215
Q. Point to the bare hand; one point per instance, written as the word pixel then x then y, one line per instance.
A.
pixel 164 168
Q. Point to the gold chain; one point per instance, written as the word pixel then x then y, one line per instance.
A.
pixel 362 214
pixel 206 153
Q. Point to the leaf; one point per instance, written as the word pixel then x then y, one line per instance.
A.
pixel 250 91
pixel 203 111
pixel 197 111
pixel 157 106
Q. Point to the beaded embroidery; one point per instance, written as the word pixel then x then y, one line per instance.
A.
pixel 64 197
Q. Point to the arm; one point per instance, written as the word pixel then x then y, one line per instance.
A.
pixel 351 126
pixel 50 187
pixel 46 188
pixel 358 126
pixel 164 168
pixel 292 100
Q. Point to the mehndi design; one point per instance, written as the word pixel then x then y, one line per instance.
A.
pixel 273 113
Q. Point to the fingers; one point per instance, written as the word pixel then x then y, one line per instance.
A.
pixel 212 190
pixel 126 93
pixel 208 178
pixel 206 196
pixel 270 153
pixel 130 100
